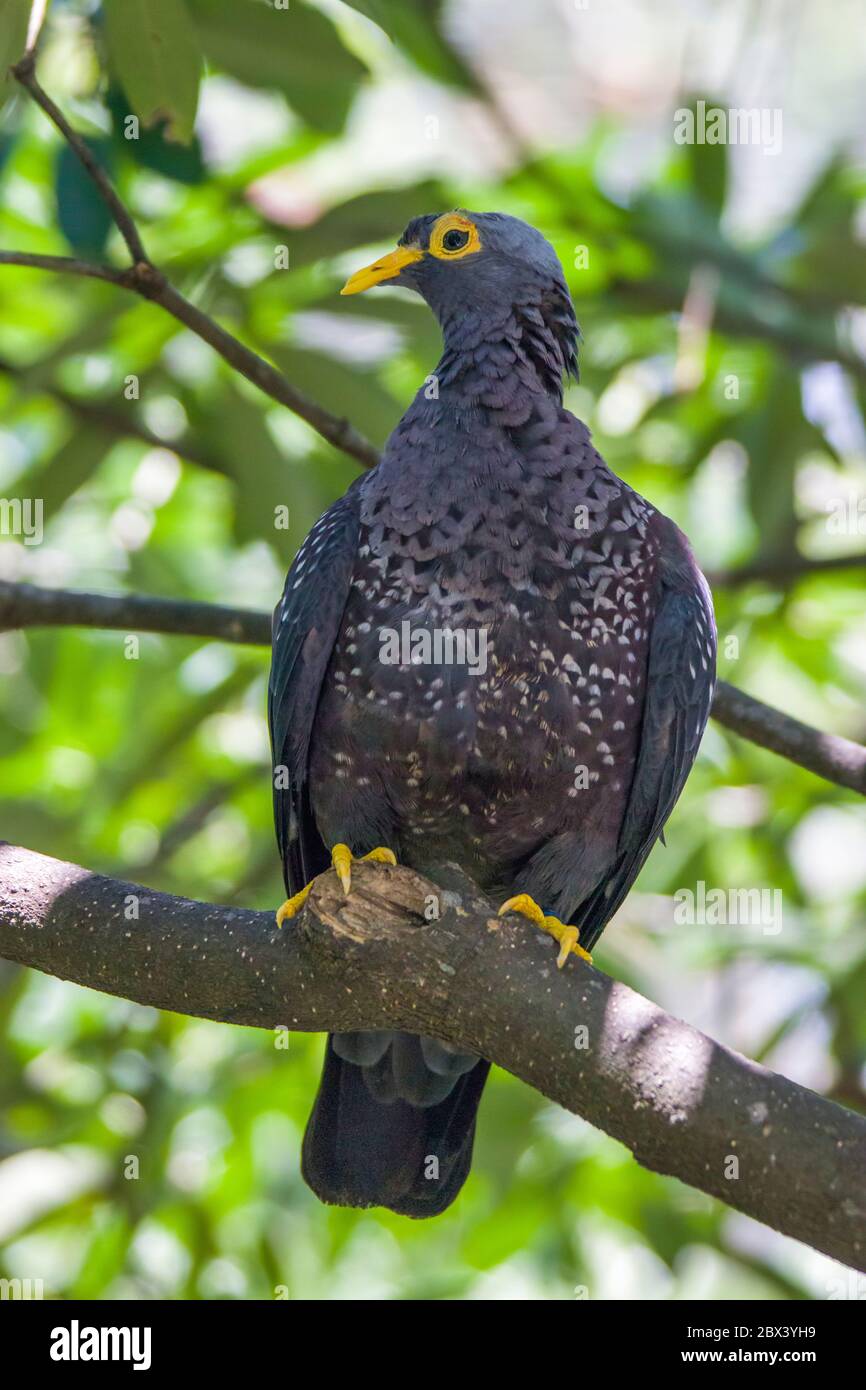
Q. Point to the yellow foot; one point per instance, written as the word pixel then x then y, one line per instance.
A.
pixel 342 860
pixel 567 937
pixel 292 906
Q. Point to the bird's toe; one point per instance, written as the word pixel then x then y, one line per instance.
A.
pixel 567 936
pixel 292 906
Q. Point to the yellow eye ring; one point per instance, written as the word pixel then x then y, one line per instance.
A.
pixel 463 237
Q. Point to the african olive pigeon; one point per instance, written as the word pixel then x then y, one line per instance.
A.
pixel 545 750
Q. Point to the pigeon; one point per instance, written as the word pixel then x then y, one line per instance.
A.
pixel 492 652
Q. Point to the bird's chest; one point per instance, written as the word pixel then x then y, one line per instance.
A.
pixel 492 675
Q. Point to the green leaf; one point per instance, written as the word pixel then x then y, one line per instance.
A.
pixel 14 19
pixel 154 52
pixel 824 238
pixel 7 145
pixel 414 27
pixel 369 218
pixel 296 51
pixel 83 215
pixel 709 171
pixel 346 390
pixel 236 433
pixel 776 436
pixel 182 163
pixel 70 467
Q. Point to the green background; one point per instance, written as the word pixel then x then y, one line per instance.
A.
pixel 722 375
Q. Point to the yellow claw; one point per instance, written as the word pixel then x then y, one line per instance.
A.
pixel 567 936
pixel 342 860
pixel 292 906
pixel 380 855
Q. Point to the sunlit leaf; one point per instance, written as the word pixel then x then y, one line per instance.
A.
pixel 415 26
pixel 14 20
pixel 154 53
pixel 295 50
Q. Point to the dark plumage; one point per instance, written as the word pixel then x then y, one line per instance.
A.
pixel 552 771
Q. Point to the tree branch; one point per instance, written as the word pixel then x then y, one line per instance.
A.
pixel 27 605
pixel 683 1104
pixel 144 279
pixel 781 570
pixel 66 265
pixel 830 756
pixel 25 73
pixel 149 283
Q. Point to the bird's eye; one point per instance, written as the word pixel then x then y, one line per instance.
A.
pixel 453 236
pixel 455 240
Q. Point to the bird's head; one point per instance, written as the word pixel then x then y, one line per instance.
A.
pixel 480 266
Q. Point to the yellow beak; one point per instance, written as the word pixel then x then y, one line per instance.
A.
pixel 384 269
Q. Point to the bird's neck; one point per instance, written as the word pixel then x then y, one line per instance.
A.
pixel 486 418
pixel 491 407
pixel 500 356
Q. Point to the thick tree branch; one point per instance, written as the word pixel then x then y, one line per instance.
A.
pixel 837 759
pixel 683 1104
pixel 144 279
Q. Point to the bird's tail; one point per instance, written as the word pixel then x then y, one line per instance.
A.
pixel 393 1123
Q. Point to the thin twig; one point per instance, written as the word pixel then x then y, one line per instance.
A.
pixel 66 265
pixel 25 73
pixel 144 279
pixel 149 283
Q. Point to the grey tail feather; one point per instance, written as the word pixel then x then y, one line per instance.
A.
pixel 366 1146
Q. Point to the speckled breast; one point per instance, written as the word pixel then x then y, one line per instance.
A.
pixel 487 683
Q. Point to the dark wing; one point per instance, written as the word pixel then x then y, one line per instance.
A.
pixel 680 681
pixel 305 627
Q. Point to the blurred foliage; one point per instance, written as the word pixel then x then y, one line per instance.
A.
pixel 719 377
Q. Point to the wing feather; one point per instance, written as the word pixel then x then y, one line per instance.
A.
pixel 680 683
pixel 305 627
